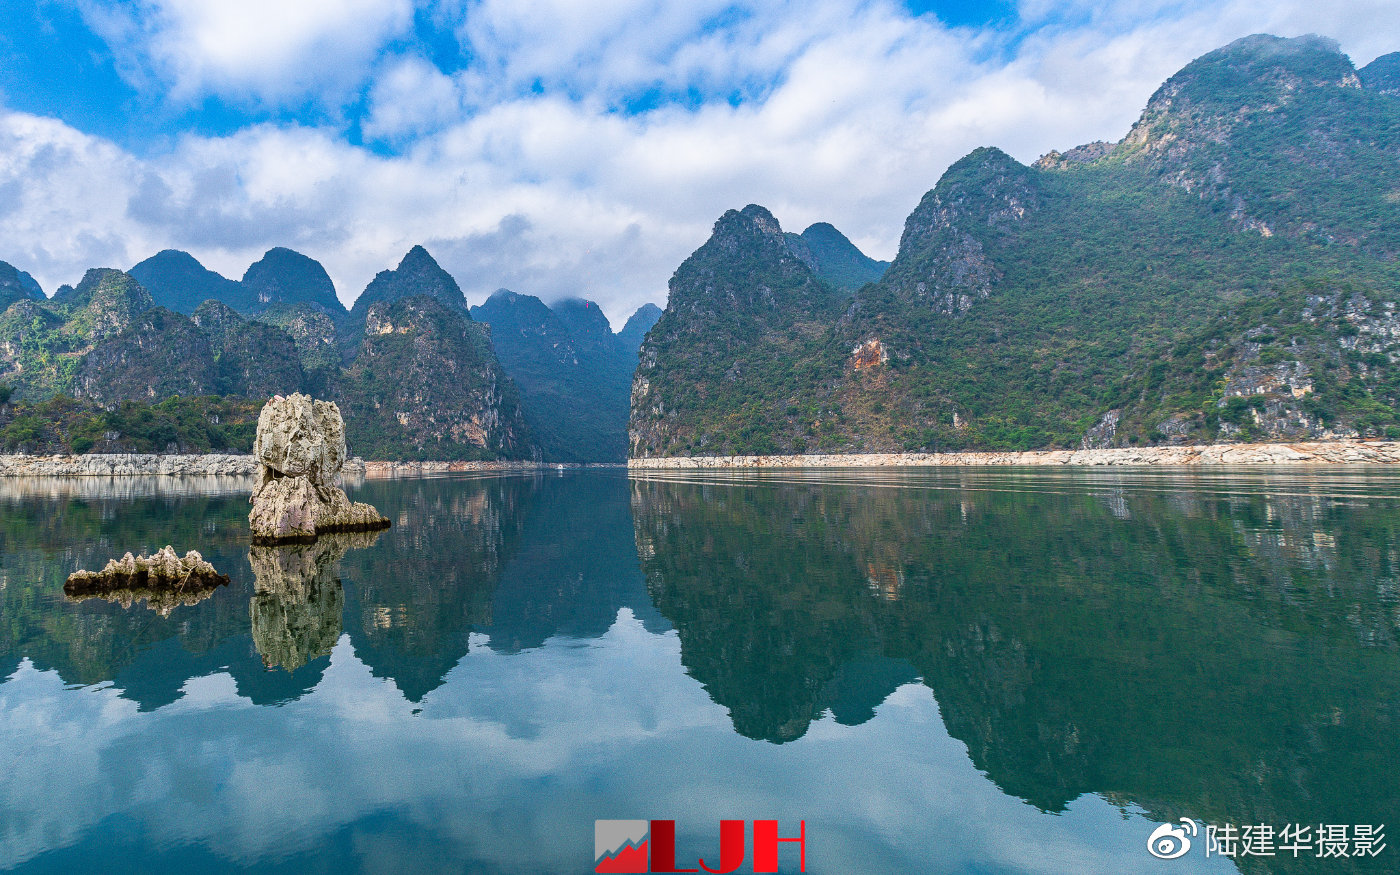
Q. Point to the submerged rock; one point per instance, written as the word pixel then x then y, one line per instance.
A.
pixel 164 580
pixel 300 448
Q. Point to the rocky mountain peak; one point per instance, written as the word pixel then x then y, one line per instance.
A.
pixel 984 196
pixel 110 300
pixel 745 270
pixel 1085 154
pixel 834 258
pixel 16 285
pixel 510 311
pixel 178 281
pixel 417 274
pixel 1213 94
pixel 584 319
pixel 1382 75
pixel 637 326
pixel 418 348
pixel 761 219
pixel 216 317
pixel 285 276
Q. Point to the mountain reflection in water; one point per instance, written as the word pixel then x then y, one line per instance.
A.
pixel 1202 647
pixel 1218 645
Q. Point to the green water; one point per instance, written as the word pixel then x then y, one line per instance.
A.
pixel 942 671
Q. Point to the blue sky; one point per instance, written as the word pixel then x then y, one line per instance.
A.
pixel 552 147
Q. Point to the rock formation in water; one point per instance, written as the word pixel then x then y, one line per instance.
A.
pixel 300 448
pixel 165 580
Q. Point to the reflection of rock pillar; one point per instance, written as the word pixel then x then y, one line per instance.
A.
pixel 296 610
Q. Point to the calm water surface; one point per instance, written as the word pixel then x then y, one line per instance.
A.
pixel 944 671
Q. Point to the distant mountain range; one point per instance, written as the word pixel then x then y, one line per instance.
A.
pixel 1227 270
pixel 574 374
pixel 139 354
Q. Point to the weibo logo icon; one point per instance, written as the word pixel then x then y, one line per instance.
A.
pixel 1168 842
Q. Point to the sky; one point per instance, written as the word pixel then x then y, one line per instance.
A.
pixel 556 148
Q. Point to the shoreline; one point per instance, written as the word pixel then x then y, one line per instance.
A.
pixel 379 470
pixel 237 465
pixel 129 465
pixel 1347 452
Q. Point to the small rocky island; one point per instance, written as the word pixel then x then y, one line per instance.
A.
pixel 300 449
pixel 164 579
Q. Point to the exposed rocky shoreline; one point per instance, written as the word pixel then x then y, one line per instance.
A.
pixel 382 470
pixel 1317 453
pixel 1349 452
pixel 139 464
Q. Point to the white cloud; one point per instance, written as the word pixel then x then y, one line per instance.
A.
pixel 264 50
pixel 411 97
pixel 521 171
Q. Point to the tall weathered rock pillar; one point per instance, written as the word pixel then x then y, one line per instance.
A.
pixel 300 448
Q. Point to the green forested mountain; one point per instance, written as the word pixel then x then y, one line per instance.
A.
pixel 425 383
pixel 574 374
pixel 634 331
pixel 177 281
pixel 834 258
pixel 1226 271
pixel 16 285
pixel 251 359
pixel 102 367
pixel 286 278
pixel 1382 74
pixel 282 279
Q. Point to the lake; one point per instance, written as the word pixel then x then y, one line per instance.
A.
pixel 974 670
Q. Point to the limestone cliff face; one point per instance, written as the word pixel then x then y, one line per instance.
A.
pixel 425 381
pixel 162 353
pixel 315 335
pixel 252 359
pixel 740 309
pixel 104 304
pixel 943 261
pixel 158 355
pixel 25 327
pixel 418 274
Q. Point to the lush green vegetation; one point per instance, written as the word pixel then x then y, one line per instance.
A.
pixel 834 258
pixel 426 385
pixel 1228 271
pixel 63 425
